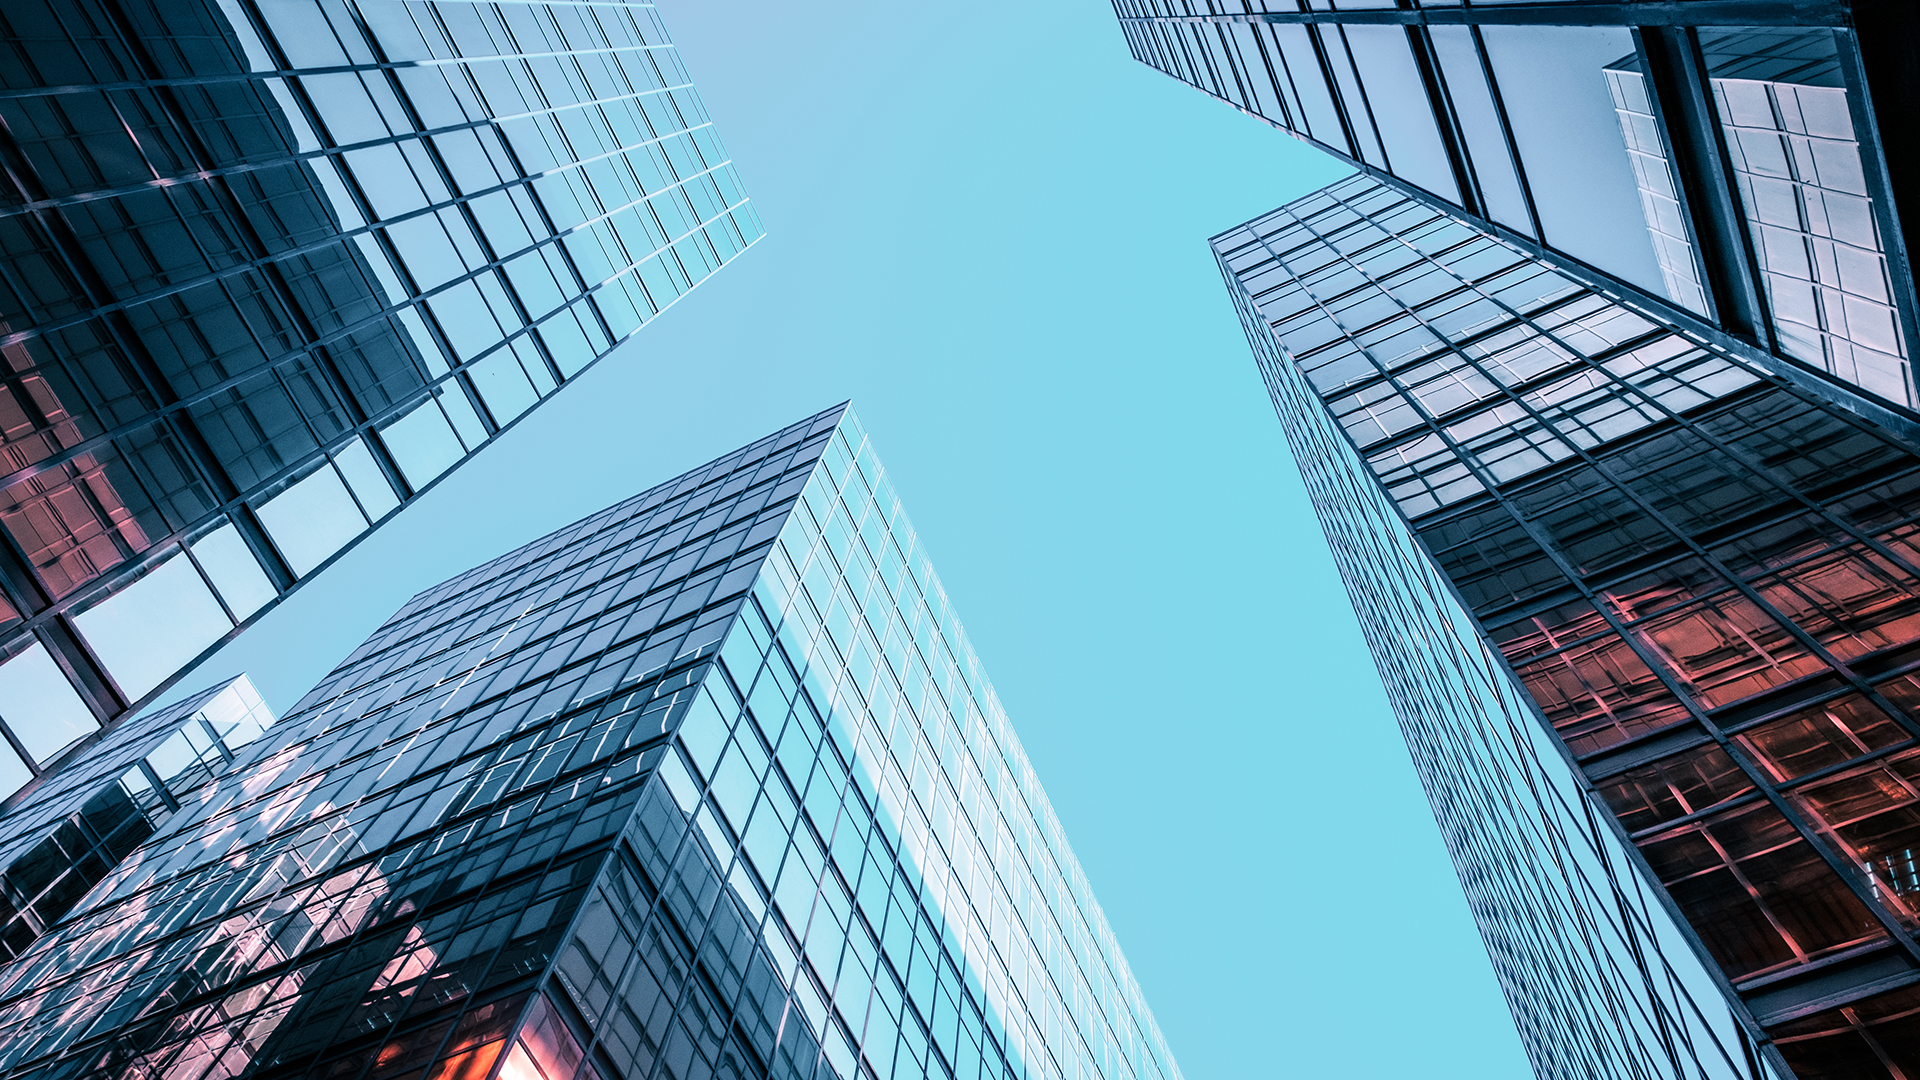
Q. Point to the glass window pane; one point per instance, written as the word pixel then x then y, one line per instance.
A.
pixel 1562 113
pixel 1414 150
pixel 422 444
pixel 369 484
pixel 1466 84
pixel 150 629
pixel 1783 108
pixel 235 572
pixel 311 520
pixel 40 705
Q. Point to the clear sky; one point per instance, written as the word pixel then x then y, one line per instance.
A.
pixel 987 226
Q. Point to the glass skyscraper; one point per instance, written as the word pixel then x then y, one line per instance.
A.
pixel 1600 375
pixel 707 785
pixel 269 269
pixel 1649 615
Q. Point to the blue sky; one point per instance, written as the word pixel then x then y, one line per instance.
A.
pixel 987 226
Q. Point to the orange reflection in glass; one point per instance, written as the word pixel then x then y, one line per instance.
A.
pixel 1825 735
pixel 1760 897
pixel 1727 649
pixel 70 519
pixel 1599 694
pixel 1872 814
pixel 1852 601
pixel 1674 787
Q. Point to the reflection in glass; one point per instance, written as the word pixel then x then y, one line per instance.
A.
pixel 1783 107
pixel 1562 116
pixel 1757 894
pixel 1659 188
pixel 1825 735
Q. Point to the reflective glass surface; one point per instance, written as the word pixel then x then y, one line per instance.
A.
pixel 706 785
pixel 1697 574
pixel 269 270
pixel 62 836
pixel 1720 169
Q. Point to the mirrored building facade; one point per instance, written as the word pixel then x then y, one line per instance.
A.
pixel 1649 615
pixel 707 785
pixel 269 268
pixel 64 834
pixel 1737 166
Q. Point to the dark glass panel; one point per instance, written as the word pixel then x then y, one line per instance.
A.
pixel 1658 590
pixel 1599 694
pixel 1852 601
pixel 1674 787
pixel 1873 814
pixel 1799 443
pixel 1545 631
pixel 1727 649
pixel 1825 735
pixel 1490 558
pixel 79 519
pixel 1689 482
pixel 1883 504
pixel 1592 521
pixel 1780 543
pixel 1758 895
pixel 1858 1041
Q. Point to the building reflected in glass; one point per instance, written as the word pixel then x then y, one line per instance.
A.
pixel 269 270
pixel 707 785
pixel 1649 615
pixel 1731 165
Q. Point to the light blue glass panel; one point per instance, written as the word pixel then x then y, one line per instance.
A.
pixel 234 571
pixel 363 475
pixel 153 627
pixel 311 520
pixel 32 687
pixel 422 444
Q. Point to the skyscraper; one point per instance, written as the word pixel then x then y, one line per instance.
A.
pixel 708 784
pixel 269 270
pixel 1737 165
pixel 1649 615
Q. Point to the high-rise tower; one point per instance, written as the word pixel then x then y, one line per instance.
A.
pixel 270 268
pixel 706 785
pixel 1649 615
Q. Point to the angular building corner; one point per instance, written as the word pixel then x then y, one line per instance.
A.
pixel 269 270
pixel 707 785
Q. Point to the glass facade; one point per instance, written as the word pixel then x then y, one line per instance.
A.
pixel 1720 163
pixel 1559 516
pixel 269 269
pixel 63 835
pixel 706 785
